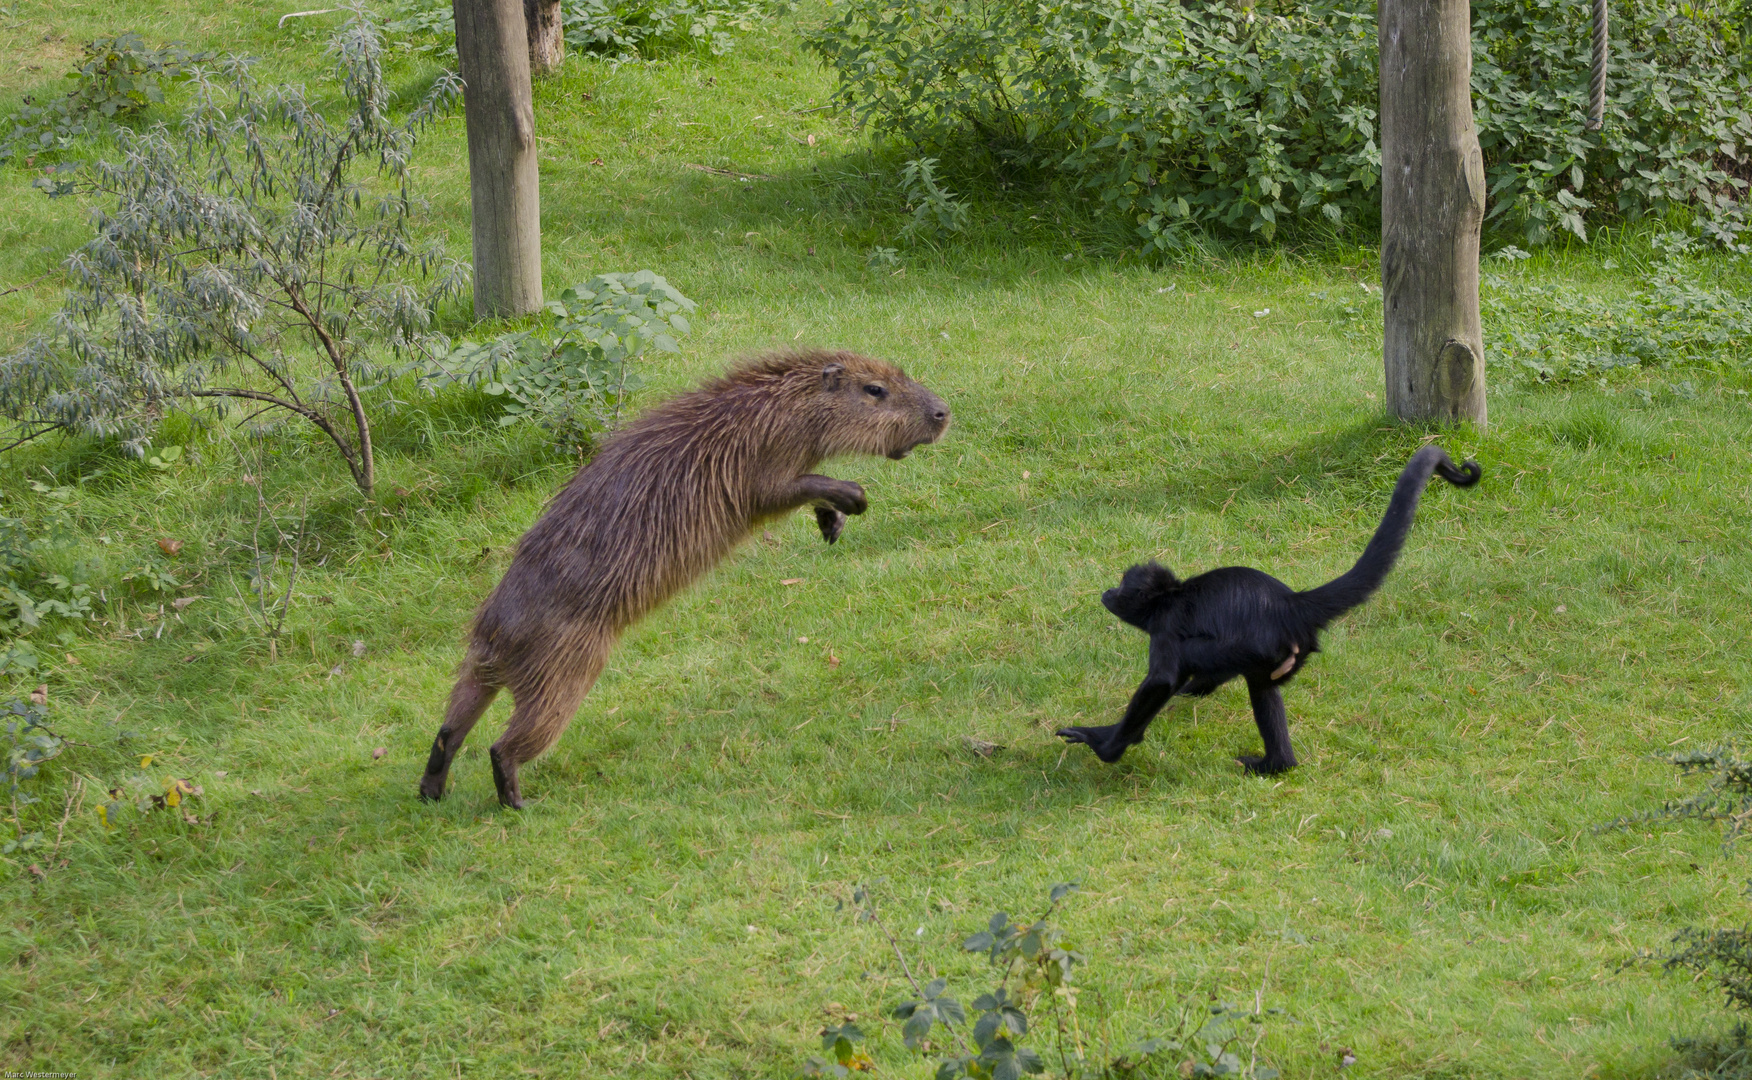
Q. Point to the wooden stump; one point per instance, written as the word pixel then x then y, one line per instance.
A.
pixel 1432 207
pixel 547 39
pixel 492 50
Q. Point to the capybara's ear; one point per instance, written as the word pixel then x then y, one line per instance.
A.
pixel 830 377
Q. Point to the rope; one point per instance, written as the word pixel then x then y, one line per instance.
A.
pixel 1597 85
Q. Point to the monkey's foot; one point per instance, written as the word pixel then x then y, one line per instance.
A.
pixel 1287 666
pixel 1259 766
pixel 1098 739
pixel 831 521
pixel 506 781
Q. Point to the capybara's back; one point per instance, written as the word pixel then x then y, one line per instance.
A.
pixel 660 504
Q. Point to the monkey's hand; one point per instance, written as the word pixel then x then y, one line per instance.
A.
pixel 1099 739
pixel 831 521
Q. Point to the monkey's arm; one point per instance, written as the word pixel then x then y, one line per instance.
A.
pixel 832 499
pixel 1111 741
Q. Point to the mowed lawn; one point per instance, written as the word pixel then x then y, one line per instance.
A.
pixel 1430 889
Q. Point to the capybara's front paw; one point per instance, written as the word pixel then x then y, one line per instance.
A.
pixel 831 521
pixel 852 500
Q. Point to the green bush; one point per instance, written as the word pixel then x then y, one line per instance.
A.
pixel 574 376
pixel 1029 1022
pixel 119 77
pixel 43 585
pixel 1681 314
pixel 624 29
pixel 1249 119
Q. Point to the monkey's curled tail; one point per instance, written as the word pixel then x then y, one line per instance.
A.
pixel 1329 601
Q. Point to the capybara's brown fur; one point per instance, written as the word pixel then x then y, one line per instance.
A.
pixel 660 504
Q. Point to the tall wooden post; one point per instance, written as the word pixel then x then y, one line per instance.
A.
pixel 547 38
pixel 1432 206
pixel 492 49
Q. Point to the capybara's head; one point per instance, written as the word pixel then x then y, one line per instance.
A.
pixel 865 406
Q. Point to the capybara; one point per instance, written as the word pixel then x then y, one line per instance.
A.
pixel 660 504
pixel 1241 621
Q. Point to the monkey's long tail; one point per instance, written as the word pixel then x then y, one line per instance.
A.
pixel 1329 601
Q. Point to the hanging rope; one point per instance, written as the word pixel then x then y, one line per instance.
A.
pixel 1597 86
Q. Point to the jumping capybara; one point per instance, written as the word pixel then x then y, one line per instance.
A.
pixel 660 504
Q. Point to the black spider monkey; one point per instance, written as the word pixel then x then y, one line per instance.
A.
pixel 1241 621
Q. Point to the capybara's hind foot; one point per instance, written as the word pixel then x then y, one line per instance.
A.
pixel 437 771
pixel 505 779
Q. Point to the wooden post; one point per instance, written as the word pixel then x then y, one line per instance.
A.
pixel 492 49
pixel 1432 206
pixel 547 38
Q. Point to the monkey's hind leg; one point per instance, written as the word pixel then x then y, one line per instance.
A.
pixel 1274 729
pixel 469 698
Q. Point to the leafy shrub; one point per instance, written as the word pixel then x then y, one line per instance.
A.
pixel 624 29
pixel 1724 956
pixel 1248 118
pixel 120 77
pixel 31 742
pixel 1555 333
pixel 1035 967
pixel 1728 1057
pixel 935 210
pixel 246 260
pixel 573 376
pixel 1726 797
pixel 41 587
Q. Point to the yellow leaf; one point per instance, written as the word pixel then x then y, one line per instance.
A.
pixel 172 797
pixel 145 760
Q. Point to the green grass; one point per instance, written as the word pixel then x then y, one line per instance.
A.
pixel 1428 889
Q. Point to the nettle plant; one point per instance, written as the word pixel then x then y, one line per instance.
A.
pixel 620 29
pixel 573 376
pixel 1685 312
pixel 256 254
pixel 1035 969
pixel 1248 118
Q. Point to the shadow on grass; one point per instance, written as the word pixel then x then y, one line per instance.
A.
pixel 1354 463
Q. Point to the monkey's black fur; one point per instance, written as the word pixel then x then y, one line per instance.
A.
pixel 1238 621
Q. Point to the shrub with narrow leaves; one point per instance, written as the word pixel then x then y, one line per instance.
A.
pixel 257 253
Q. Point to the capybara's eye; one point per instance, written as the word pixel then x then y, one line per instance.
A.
pixel 875 391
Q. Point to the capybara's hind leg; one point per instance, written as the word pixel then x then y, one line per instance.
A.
pixel 537 722
pixel 469 698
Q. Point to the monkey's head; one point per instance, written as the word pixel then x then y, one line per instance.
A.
pixel 1140 592
pixel 867 406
